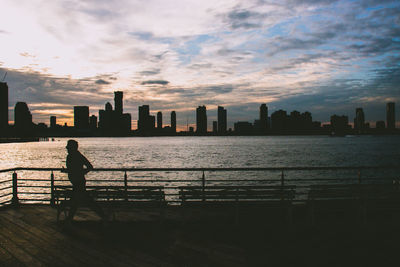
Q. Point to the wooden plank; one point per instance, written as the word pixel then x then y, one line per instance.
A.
pixel 22 250
pixel 86 249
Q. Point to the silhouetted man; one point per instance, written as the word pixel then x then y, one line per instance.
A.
pixel 76 174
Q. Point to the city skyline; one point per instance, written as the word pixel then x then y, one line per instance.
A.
pixel 114 122
pixel 324 57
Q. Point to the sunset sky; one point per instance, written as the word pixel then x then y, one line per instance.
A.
pixel 326 57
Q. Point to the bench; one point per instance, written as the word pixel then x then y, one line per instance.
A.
pixel 380 198
pixel 355 198
pixel 333 198
pixel 238 197
pixel 113 198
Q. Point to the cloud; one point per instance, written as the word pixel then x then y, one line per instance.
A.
pixel 150 72
pixel 154 82
pixel 101 81
pixel 300 54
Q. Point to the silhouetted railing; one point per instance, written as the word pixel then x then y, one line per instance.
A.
pixel 15 190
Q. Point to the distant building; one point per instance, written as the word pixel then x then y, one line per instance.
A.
pixel 359 120
pixel 115 122
pixel 3 105
pixel 159 120
pixel 146 122
pixel 118 95
pixel 263 119
pixel 53 122
pixel 215 127
pixel 106 118
pixel 380 125
pixel 279 120
pixel 173 122
pixel 390 116
pixel 201 120
pixel 243 127
pixel 22 119
pixel 93 122
pixel 339 124
pixel 81 117
pixel 222 124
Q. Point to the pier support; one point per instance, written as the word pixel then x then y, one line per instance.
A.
pixel 15 200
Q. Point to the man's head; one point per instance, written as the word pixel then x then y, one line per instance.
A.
pixel 72 145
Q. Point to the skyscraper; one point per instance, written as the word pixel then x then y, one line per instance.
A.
pixel 53 121
pixel 93 122
pixel 3 105
pixel 81 117
pixel 359 120
pixel 22 118
pixel 144 112
pixel 201 120
pixel 390 116
pixel 263 117
pixel 159 120
pixel 118 95
pixel 221 120
pixel 173 121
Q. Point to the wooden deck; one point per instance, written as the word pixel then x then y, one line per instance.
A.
pixel 30 236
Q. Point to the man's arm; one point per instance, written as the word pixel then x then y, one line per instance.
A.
pixel 88 165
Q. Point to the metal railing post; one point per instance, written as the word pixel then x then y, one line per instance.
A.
pixel 359 176
pixel 52 199
pixel 203 181
pixel 126 186
pixel 15 200
pixel 282 179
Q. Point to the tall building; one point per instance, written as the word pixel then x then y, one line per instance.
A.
pixel 359 120
pixel 339 124
pixel 53 122
pixel 106 118
pixel 173 121
pixel 3 105
pixel 81 117
pixel 93 122
pixel 22 118
pixel 159 120
pixel 201 120
pixel 215 127
pixel 222 126
pixel 390 116
pixel 118 95
pixel 263 117
pixel 279 120
pixel 145 122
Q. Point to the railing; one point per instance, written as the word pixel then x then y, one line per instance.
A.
pixel 16 190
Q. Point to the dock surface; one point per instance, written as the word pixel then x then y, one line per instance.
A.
pixel 31 236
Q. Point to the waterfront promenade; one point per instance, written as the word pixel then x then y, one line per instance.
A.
pixel 30 236
pixel 237 233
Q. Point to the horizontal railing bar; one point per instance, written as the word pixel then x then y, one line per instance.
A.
pixel 6 181
pixel 36 186
pixel 34 199
pixel 34 193
pixel 5 202
pixel 33 180
pixel 8 170
pixel 216 169
pixel 7 195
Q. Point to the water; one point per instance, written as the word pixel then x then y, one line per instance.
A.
pixel 206 152
pixel 268 151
